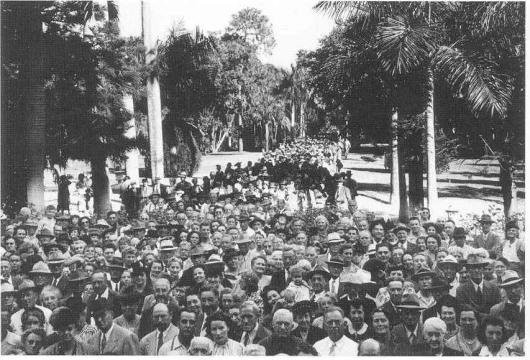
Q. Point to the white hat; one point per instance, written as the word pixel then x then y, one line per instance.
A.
pixel 434 324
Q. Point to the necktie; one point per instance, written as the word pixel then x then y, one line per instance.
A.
pixel 160 341
pixel 103 343
pixel 411 338
pixel 332 349
pixel 479 294
pixel 247 338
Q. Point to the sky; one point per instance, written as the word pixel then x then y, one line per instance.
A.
pixel 295 24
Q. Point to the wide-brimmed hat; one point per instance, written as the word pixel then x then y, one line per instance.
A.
pixel 512 224
pixel 400 227
pixel 357 278
pixel 26 284
pixel 255 220
pixel 102 224
pixel 486 219
pixel 243 240
pixel 197 251
pixel 410 301
pixel 449 260
pixel 77 277
pixel 474 261
pixel 56 258
pixel 166 244
pixel 7 289
pixel 319 269
pixel 46 246
pixel 334 238
pixel 45 233
pixel 154 194
pixel 40 268
pixel 214 266
pixel 30 223
pixel 510 278
pixel 423 272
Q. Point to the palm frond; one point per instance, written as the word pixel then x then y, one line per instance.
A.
pixel 473 77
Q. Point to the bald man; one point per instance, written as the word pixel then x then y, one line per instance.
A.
pixel 434 330
pixel 370 347
pixel 164 331
pixel 281 341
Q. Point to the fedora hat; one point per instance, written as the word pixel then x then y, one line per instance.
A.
pixel 56 258
pixel 512 224
pixel 486 219
pixel 129 296
pixel 423 272
pixel 319 269
pixel 449 260
pixel 26 284
pixel 77 277
pixel 439 284
pixel 334 238
pixel 474 261
pixel 154 194
pixel 40 268
pixel 410 301
pixel 400 227
pixel 166 244
pixel 7 289
pixel 102 224
pixel 45 233
pixel 510 278
pixel 46 246
pixel 197 251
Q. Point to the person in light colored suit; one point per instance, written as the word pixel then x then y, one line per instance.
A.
pixel 164 331
pixel 111 339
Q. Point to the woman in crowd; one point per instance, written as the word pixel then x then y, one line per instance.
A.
pixel 218 326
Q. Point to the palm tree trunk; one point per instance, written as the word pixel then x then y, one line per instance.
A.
pixel 100 185
pixel 403 199
pixel 35 111
pixel 432 189
pixel 240 123
pixel 302 123
pixel 267 136
pixel 394 171
pixel 154 106
pixel 131 162
pixel 508 188
pixel 293 114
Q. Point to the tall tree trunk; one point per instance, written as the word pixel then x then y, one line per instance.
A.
pixel 432 188
pixel 508 187
pixel 267 136
pixel 154 106
pixel 302 121
pixel 403 200
pixel 131 162
pixel 293 114
pixel 35 111
pixel 416 183
pixel 100 185
pixel 394 174
pixel 240 123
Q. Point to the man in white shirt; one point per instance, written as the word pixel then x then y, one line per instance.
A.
pixel 336 344
pixel 164 331
pixel 335 266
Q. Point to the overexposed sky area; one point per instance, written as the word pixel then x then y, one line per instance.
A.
pixel 295 24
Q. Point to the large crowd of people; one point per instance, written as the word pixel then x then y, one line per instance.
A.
pixel 269 258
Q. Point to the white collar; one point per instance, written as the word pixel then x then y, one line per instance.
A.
pixel 105 294
pixel 415 332
pixel 362 330
pixel 481 285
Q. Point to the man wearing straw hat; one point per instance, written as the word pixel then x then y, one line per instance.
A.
pixel 514 287
pixel 28 294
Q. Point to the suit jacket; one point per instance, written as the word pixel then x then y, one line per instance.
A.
pixel 498 308
pixel 490 296
pixel 401 342
pixel 113 300
pixel 120 342
pixel 149 343
pixel 313 335
pixel 488 242
pixel 261 334
pixel 424 350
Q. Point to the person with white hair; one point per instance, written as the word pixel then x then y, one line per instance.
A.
pixel 201 346
pixel 254 350
pixel 434 330
pixel 370 347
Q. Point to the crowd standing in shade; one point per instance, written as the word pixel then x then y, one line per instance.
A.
pixel 264 259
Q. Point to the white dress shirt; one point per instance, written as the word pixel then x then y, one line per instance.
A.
pixel 251 336
pixel 344 347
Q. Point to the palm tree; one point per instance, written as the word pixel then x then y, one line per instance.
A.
pixel 154 105
pixel 408 36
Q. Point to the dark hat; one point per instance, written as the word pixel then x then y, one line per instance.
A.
pixel 197 251
pixel 512 224
pixel 319 269
pixel 486 219
pixel 48 245
pixel 154 194
pixel 62 317
pixel 214 266
pixel 459 232
pixel 510 278
pixel 302 307
pixel 75 304
pixel 77 277
pixel 229 254
pixel 423 272
pixel 335 262
pixel 30 223
pixel 410 301
pixel 94 231
pixel 439 284
pixel 400 227
pixel 44 233
pixel 474 261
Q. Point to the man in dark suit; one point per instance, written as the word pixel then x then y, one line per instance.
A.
pixel 55 262
pixel 302 311
pixel 395 289
pixel 102 291
pixel 402 233
pixel 480 294
pixel 252 331
pixel 410 332
pixel 111 339
pixel 434 330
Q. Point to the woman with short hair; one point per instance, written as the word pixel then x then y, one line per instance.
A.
pixel 218 326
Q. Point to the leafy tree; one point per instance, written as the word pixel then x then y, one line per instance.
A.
pixel 254 28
